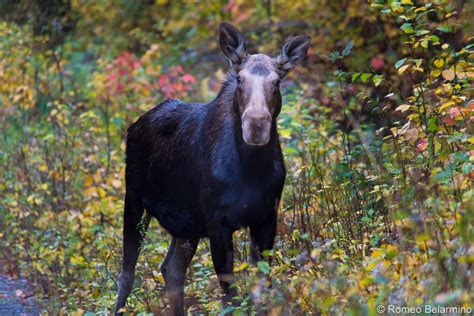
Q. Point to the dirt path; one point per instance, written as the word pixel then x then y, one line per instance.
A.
pixel 16 297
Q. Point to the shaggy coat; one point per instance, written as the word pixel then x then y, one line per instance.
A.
pixel 190 167
pixel 207 170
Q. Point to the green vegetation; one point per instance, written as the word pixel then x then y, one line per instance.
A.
pixel 377 129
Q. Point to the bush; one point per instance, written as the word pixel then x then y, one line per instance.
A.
pixel 376 131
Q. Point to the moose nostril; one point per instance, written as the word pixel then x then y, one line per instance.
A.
pixel 263 117
pixel 256 115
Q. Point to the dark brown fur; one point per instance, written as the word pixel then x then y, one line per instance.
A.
pixel 191 166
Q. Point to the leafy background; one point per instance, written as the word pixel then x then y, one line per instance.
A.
pixel 377 130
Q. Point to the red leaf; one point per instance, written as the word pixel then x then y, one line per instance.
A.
pixel 188 78
pixel 377 62
pixel 448 120
pixel 422 145
pixel 454 112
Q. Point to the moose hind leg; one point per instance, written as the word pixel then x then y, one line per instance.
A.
pixel 133 233
pixel 180 254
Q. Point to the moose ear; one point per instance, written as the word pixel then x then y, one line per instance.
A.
pixel 293 52
pixel 232 43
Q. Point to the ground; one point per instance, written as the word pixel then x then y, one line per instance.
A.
pixel 17 297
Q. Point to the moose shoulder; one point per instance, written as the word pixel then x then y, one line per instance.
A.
pixel 206 170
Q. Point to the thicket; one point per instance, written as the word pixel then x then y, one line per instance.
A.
pixel 377 130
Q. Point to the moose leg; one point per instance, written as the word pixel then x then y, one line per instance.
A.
pixel 262 238
pixel 223 259
pixel 133 234
pixel 174 268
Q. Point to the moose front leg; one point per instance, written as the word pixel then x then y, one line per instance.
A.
pixel 174 268
pixel 223 259
pixel 262 238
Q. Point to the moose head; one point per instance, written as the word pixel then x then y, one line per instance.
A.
pixel 257 96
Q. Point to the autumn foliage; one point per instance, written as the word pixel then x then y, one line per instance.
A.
pixel 376 127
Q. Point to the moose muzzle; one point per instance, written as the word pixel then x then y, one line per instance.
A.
pixel 256 125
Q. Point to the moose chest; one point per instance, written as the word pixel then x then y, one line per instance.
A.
pixel 244 195
pixel 248 205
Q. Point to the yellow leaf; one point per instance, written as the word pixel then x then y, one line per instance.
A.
pixel 446 105
pixel 88 181
pixel 439 63
pixel 101 192
pixel 76 259
pixel 413 116
pixel 394 131
pixel 77 312
pixel 402 108
pixel 365 281
pixel 402 69
pixel 392 248
pixel 241 267
pixel 89 192
pixel 377 253
pixel 436 73
pixel 422 238
pixel 315 253
pixel 285 133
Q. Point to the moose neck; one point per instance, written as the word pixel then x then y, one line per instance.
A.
pixel 249 155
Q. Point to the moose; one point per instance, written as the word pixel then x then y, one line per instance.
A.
pixel 205 170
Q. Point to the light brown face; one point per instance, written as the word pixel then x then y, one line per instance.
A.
pixel 258 97
pixel 258 81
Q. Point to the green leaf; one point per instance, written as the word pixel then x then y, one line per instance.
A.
pixel 467 168
pixel 377 80
pixel 399 63
pixel 334 55
pixel 365 76
pixel 347 50
pixel 395 5
pixel 264 267
pixel 444 29
pixel 422 32
pixel 228 310
pixel 285 133
pixel 340 74
pixel 432 124
pixel 417 61
pixel 407 28
pixel 355 76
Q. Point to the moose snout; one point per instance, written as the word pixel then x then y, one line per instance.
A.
pixel 256 127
